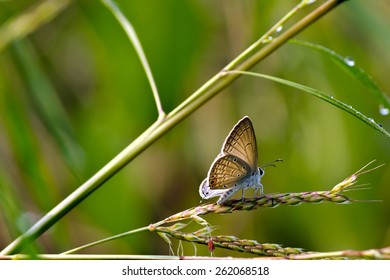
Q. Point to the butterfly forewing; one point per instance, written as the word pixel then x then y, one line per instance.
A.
pixel 241 142
pixel 227 171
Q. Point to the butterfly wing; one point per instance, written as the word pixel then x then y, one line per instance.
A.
pixel 227 171
pixel 205 191
pixel 241 143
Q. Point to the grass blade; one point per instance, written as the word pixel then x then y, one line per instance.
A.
pixel 321 95
pixel 347 64
pixel 130 32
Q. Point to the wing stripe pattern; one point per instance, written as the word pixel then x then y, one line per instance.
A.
pixel 226 171
pixel 241 142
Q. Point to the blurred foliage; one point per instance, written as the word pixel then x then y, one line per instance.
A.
pixel 73 95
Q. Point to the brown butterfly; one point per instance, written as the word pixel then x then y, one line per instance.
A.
pixel 235 167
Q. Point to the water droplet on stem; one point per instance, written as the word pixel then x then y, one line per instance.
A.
pixel 384 111
pixel 349 61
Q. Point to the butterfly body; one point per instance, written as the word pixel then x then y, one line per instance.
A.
pixel 235 168
pixel 252 181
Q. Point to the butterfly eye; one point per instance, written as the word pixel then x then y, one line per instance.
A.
pixel 261 172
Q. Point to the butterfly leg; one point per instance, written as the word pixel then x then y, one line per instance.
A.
pixel 242 196
pixel 258 189
pixel 226 195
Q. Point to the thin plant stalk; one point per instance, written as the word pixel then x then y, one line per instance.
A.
pixel 335 195
pixel 248 204
pixel 87 257
pixel 30 20
pixel 197 99
pixel 139 230
pixel 372 254
pixel 263 39
pixel 129 29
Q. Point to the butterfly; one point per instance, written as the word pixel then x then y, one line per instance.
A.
pixel 235 167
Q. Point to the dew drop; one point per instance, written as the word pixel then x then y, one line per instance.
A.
pixel 384 111
pixel 280 28
pixel 371 120
pixel 269 39
pixel 308 2
pixel 349 61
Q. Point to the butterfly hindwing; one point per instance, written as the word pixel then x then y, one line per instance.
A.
pixel 227 171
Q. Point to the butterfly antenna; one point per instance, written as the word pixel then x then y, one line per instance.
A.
pixel 272 163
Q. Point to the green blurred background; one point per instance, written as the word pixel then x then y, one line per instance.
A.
pixel 73 95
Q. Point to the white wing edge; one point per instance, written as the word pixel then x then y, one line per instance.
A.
pixel 205 192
